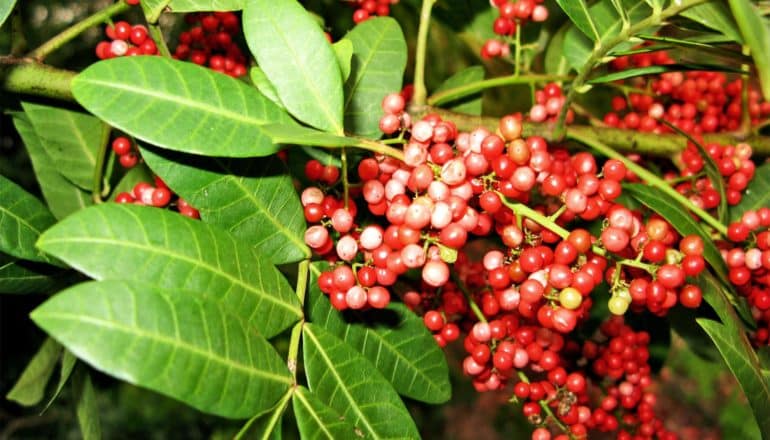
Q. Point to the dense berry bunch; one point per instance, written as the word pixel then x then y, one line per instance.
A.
pixel 548 104
pixel 365 9
pixel 511 16
pixel 125 40
pixel 158 195
pixel 211 42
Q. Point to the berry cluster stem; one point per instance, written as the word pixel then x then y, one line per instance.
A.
pixel 547 409
pixel 469 297
pixel 470 88
pixel 296 332
pixel 96 182
pixel 420 91
pixel 78 28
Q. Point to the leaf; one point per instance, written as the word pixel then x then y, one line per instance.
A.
pixel 22 219
pixel 294 54
pixel 264 85
pixel 343 50
pixel 554 61
pixel 154 8
pixel 470 104
pixel 756 35
pixel 377 68
pixel 315 420
pixel 287 134
pixel 68 361
pixel 267 425
pixel 175 252
pixel 255 200
pixel 756 195
pixel 186 346
pixel 395 340
pixel 61 195
pixel 179 106
pixel 743 363
pixel 680 219
pixel 22 277
pixel 87 408
pixel 577 11
pixel 71 139
pixel 714 14
pixel 6 7
pixel 652 70
pixel 351 385
pixel 30 387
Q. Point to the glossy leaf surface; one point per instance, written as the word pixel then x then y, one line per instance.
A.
pixel 315 420
pixel 22 219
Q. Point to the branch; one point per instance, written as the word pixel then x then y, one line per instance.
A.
pixel 26 77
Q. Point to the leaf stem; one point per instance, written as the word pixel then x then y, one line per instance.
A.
pixel 420 92
pixel 296 332
pixel 345 183
pixel 470 88
pixel 275 415
pixel 601 48
pixel 157 36
pixel 468 297
pixel 379 148
pixel 96 182
pixel 76 29
pixel 651 179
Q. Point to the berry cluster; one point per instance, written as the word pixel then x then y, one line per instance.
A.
pixel 125 40
pixel 211 42
pixel 548 104
pixel 159 196
pixel 511 16
pixel 124 149
pixel 365 9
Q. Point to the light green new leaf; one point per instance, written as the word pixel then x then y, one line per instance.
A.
pixel 6 7
pixel 264 85
pixel 343 49
pixel 377 68
pixel 179 106
pixel 30 387
pixel 71 139
pixel 86 406
pixel 395 340
pixel 577 11
pixel 715 14
pixel 315 420
pixel 22 219
pixel 67 364
pixel 20 276
pixel 173 251
pixel 61 195
pixel 756 195
pixel 287 134
pixel 169 340
pixel 297 58
pixel 756 35
pixel 254 199
pixel 347 382
pixel 469 104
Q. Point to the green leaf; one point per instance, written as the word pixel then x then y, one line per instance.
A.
pixel 169 340
pixel 343 49
pixel 579 14
pixel 6 7
pixel 68 361
pixel 71 139
pixel 22 219
pixel 264 85
pixel 351 385
pixel 756 195
pixel 554 62
pixel 379 61
pixel 173 251
pixel 30 387
pixel 395 340
pixel 470 104
pixel 61 195
pixel 153 8
pixel 255 200
pixel 87 407
pixel 287 134
pixel 652 70
pixel 714 14
pixel 315 420
pixel 179 106
pixel 294 54
pixel 21 277
pixel 743 363
pixel 680 219
pixel 267 425
pixel 756 35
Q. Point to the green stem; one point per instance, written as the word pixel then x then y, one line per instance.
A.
pixel 157 36
pixel 296 332
pixel 420 92
pixel 469 297
pixel 345 183
pixel 547 409
pixel 30 78
pixel 379 148
pixel 96 182
pixel 76 29
pixel 275 418
pixel 470 88
pixel 603 47
pixel 652 180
